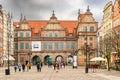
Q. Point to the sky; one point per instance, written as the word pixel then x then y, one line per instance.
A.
pixel 64 9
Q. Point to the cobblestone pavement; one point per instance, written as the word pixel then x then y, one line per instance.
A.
pixel 63 74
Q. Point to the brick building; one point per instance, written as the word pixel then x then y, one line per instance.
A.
pixel 53 39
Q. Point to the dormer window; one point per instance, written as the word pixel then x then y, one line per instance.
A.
pixel 36 34
pixel 70 35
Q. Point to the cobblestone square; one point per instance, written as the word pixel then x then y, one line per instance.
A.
pixel 67 73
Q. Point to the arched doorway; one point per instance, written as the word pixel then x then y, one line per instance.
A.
pixel 70 59
pixel 59 58
pixel 47 59
pixel 35 60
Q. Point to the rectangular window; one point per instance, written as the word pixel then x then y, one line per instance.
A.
pixel 44 46
pixel 50 46
pixel 21 45
pixel 27 34
pixel 67 45
pixel 70 35
pixel 91 38
pixel 84 29
pixel 27 45
pixel 61 45
pixel 56 46
pixel 73 45
pixel 36 34
pixel 21 34
pixel 16 46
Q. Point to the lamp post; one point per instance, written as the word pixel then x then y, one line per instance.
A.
pixel 9 36
pixel 86 66
pixel 29 54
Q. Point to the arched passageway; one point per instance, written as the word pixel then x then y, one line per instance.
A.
pixel 47 59
pixel 35 60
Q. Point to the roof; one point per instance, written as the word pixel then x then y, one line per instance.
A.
pixel 70 25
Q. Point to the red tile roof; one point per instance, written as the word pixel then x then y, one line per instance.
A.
pixel 70 25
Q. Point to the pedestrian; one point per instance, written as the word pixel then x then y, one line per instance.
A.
pixel 38 67
pixel 19 67
pixel 57 67
pixel 23 67
pixel 54 65
pixel 64 64
pixel 28 66
pixel 15 68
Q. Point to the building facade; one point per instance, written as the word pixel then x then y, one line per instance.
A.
pixel 1 34
pixel 51 40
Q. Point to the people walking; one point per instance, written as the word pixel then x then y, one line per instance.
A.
pixel 23 67
pixel 57 67
pixel 28 66
pixel 38 67
pixel 15 68
pixel 19 67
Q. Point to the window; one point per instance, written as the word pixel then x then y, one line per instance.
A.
pixel 61 45
pixel 91 38
pixel 36 34
pixel 50 34
pixel 91 44
pixel 73 45
pixel 36 45
pixel 44 46
pixel 56 46
pixel 16 46
pixel 21 34
pixel 91 29
pixel 67 45
pixel 21 45
pixel 70 35
pixel 50 45
pixel 85 29
pixel 56 34
pixel 27 45
pixel 27 34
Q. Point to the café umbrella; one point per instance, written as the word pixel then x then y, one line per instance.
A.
pixel 10 58
pixel 97 59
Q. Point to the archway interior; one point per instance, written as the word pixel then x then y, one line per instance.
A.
pixel 47 59
pixel 70 59
pixel 59 58
pixel 35 60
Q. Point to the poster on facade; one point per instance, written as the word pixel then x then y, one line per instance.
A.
pixel 36 45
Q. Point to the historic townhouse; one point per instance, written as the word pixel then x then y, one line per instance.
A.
pixel 53 39
pixel 1 34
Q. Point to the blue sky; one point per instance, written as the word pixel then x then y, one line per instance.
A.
pixel 42 9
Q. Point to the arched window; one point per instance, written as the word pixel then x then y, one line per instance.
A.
pixel 91 29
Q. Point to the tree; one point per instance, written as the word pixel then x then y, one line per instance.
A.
pixel 106 48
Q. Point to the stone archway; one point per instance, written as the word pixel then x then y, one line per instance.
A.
pixel 70 59
pixel 47 59
pixel 59 58
pixel 35 60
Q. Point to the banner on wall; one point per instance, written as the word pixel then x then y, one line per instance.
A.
pixel 36 45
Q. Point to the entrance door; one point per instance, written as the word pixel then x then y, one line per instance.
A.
pixel 47 59
pixel 35 60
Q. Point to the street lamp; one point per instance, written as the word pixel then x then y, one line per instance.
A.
pixel 7 71
pixel 86 66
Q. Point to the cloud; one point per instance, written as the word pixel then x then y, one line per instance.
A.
pixel 42 9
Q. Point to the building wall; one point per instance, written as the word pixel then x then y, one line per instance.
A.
pixel 87 21
pixel 107 18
